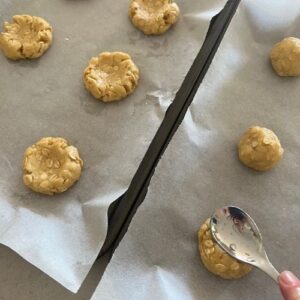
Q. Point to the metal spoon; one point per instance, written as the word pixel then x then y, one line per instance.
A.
pixel 236 232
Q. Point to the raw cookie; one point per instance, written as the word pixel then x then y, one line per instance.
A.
pixel 25 37
pixel 260 148
pixel 285 57
pixel 51 166
pixel 111 76
pixel 153 16
pixel 215 259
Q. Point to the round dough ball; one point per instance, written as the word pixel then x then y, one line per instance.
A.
pixel 285 57
pixel 260 148
pixel 215 259
pixel 51 166
pixel 26 37
pixel 111 76
pixel 153 16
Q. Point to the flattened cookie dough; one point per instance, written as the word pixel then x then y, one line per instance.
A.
pixel 25 37
pixel 285 57
pixel 51 166
pixel 260 149
pixel 111 76
pixel 215 259
pixel 153 16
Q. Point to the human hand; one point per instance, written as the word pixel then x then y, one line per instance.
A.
pixel 289 286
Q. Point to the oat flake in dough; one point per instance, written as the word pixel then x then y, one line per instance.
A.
pixel 51 166
pixel 111 76
pixel 25 37
pixel 153 16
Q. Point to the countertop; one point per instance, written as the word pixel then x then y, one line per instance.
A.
pixel 19 280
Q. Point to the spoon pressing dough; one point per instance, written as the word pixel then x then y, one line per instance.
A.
pixel 215 259
pixel 260 149
pixel 285 57
pixel 51 166
pixel 25 37
pixel 111 76
pixel 153 16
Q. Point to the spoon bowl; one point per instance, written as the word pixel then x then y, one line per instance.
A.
pixel 238 235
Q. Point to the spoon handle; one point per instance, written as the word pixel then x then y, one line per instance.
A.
pixel 269 269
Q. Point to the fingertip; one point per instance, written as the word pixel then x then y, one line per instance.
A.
pixel 287 278
pixel 289 285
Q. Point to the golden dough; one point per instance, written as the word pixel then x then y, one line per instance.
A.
pixel 153 16
pixel 285 57
pixel 111 76
pixel 26 37
pixel 51 166
pixel 215 259
pixel 260 148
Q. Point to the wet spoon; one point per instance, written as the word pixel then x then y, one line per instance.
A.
pixel 237 234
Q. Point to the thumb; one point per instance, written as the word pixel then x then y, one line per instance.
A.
pixel 289 286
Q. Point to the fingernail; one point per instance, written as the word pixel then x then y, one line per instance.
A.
pixel 288 278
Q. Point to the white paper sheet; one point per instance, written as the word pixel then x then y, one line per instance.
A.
pixel 200 172
pixel 46 97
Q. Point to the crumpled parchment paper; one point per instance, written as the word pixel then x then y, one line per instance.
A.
pixel 200 172
pixel 63 235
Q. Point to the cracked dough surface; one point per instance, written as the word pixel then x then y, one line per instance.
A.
pixel 111 76
pixel 215 259
pixel 260 148
pixel 153 16
pixel 285 57
pixel 25 37
pixel 51 166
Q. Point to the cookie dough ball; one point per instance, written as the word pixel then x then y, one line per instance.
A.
pixel 25 37
pixel 285 57
pixel 215 259
pixel 260 148
pixel 153 16
pixel 111 76
pixel 51 166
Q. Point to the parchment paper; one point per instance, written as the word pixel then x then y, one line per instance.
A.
pixel 63 235
pixel 200 171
